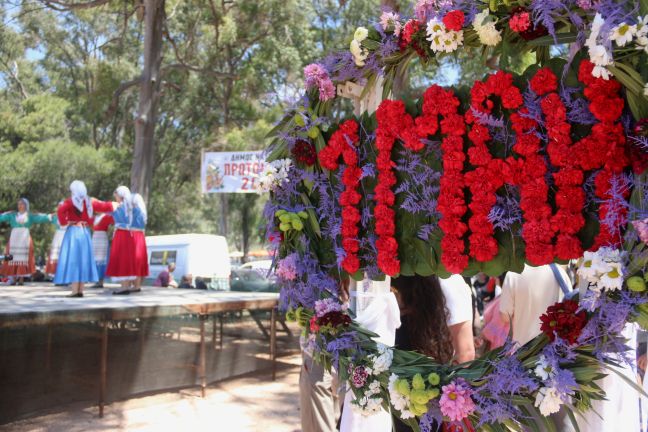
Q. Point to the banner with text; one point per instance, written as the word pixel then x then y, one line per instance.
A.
pixel 236 172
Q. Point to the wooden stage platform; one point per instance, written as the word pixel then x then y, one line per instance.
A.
pixel 38 305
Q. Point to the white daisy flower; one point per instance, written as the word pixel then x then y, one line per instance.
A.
pixel 543 369
pixel 623 34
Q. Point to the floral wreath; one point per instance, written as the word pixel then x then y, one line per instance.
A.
pixel 543 167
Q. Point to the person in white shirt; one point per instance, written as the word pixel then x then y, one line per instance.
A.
pixel 526 296
pixel 460 316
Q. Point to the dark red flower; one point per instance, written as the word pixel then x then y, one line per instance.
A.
pixel 334 319
pixel 563 320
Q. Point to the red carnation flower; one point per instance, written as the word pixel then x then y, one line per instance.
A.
pixel 454 20
pixel 606 109
pixel 512 98
pixel 564 321
pixel 544 81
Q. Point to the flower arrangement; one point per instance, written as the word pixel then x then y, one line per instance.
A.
pixel 534 168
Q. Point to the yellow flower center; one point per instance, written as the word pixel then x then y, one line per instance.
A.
pixel 614 274
pixel 452 396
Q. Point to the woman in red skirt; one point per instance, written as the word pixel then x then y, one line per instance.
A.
pixel 128 260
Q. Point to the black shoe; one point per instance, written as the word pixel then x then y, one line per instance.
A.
pixel 21 283
pixel 136 290
pixel 122 292
pixel 97 285
pixel 75 295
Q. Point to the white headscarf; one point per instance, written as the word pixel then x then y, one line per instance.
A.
pixel 80 196
pixel 127 200
pixel 22 217
pixel 138 201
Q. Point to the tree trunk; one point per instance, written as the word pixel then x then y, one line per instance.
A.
pixel 144 152
pixel 223 214
pixel 245 220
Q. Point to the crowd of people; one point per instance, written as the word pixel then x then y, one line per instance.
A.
pixel 81 251
pixel 457 319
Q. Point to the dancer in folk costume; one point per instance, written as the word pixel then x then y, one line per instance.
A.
pixel 55 247
pixel 125 264
pixel 138 229
pixel 20 244
pixel 101 244
pixel 76 264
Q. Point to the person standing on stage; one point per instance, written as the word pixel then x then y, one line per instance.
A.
pixel 101 244
pixel 138 228
pixel 20 244
pixel 125 262
pixel 55 247
pixel 76 264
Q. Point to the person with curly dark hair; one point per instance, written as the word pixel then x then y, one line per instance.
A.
pixel 436 317
pixel 436 320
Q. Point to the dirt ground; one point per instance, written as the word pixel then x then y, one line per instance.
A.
pixel 247 404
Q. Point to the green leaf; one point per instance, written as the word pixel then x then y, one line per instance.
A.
pixel 561 38
pixel 629 78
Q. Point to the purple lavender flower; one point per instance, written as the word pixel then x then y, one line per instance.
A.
pixel 508 378
pixel 322 307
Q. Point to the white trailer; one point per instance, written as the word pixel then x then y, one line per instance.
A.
pixel 201 255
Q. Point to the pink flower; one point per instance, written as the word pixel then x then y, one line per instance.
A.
pixel 455 402
pixel 316 76
pixel 390 19
pixel 641 226
pixel 520 22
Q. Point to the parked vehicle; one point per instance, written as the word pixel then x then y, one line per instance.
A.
pixel 251 280
pixel 201 255
pixel 262 266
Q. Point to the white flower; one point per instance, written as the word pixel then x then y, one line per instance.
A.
pixel 383 361
pixel 543 369
pixel 390 20
pixel 592 267
pixel 360 34
pixel 489 35
pixel 599 55
pixel 479 18
pixel 373 406
pixel 406 414
pixel 273 175
pixel 612 280
pixel 359 54
pixel 485 28
pixel 398 401
pixel 641 33
pixel 441 39
pixel 645 92
pixel 548 401
pixel 374 388
pixel 606 262
pixel 623 33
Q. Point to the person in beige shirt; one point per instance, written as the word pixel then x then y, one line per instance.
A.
pixel 526 296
